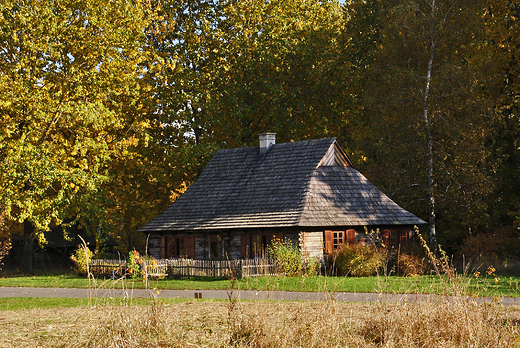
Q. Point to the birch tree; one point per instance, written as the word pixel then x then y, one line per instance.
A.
pixel 424 120
pixel 432 39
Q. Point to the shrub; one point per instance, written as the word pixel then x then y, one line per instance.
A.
pixel 311 267
pixel 5 247
pixel 500 244
pixel 287 257
pixel 359 260
pixel 138 265
pixel 411 265
pixel 289 260
pixel 81 257
pixel 133 264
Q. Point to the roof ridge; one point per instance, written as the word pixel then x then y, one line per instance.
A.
pixel 298 142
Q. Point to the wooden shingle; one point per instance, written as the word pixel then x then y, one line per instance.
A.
pixel 296 184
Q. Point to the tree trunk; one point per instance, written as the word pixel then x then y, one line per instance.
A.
pixel 429 140
pixel 428 123
pixel 28 247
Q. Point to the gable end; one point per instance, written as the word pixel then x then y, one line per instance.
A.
pixel 335 157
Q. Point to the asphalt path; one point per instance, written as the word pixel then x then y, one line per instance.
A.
pixel 244 295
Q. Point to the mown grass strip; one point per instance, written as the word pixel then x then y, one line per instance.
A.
pixel 23 303
pixel 17 303
pixel 467 285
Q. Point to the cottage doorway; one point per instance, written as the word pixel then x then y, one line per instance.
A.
pixel 215 247
pixel 256 245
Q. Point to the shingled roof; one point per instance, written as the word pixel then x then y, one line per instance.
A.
pixel 298 184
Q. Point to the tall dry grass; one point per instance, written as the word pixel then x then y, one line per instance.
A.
pixel 267 324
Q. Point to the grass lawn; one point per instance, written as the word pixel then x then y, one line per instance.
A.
pixel 21 303
pixel 506 286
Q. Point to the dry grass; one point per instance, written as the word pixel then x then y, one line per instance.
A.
pixel 265 324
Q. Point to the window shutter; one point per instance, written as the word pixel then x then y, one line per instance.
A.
pixel 404 238
pixel 351 237
pixel 328 242
pixel 189 247
pixel 163 247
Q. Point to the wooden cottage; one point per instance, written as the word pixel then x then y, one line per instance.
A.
pixel 307 192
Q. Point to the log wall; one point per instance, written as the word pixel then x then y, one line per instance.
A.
pixel 311 244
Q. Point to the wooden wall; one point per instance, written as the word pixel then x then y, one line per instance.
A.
pixel 154 246
pixel 231 243
pixel 311 244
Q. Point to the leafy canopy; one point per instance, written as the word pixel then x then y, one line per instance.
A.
pixel 69 71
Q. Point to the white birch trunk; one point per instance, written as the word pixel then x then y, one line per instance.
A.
pixel 428 122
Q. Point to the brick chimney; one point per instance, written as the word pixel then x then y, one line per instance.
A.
pixel 266 140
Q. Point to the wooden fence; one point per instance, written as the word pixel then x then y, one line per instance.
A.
pixel 188 268
pixel 103 267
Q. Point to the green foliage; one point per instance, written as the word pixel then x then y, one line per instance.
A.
pixel 138 266
pixel 311 266
pixel 289 260
pixel 81 258
pixel 280 71
pixel 359 260
pixel 287 257
pixel 233 69
pixel 70 84
pixel 400 113
pixel 134 264
pixel 108 109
